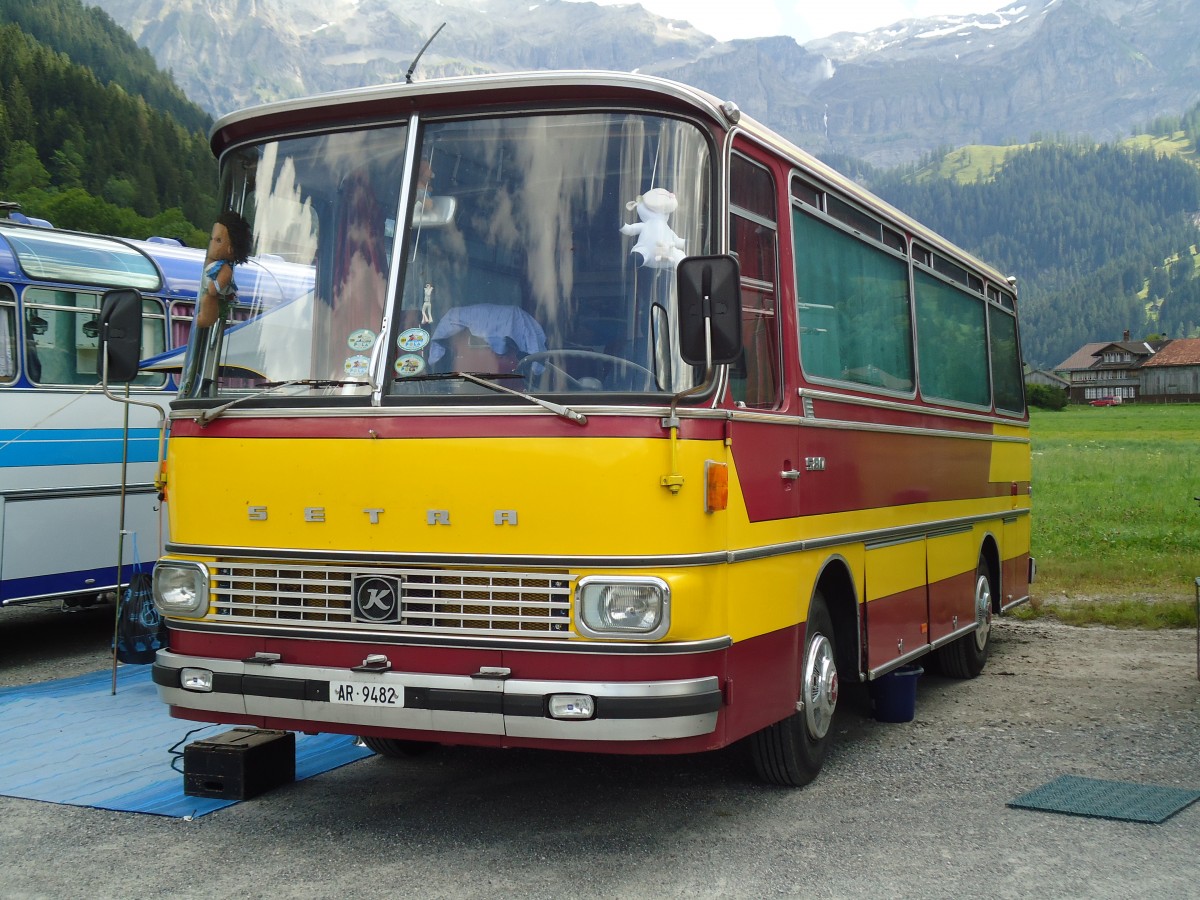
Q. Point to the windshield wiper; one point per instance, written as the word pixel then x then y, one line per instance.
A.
pixel 313 382
pixel 269 387
pixel 557 408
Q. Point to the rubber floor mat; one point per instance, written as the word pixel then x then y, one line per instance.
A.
pixel 1099 799
pixel 73 741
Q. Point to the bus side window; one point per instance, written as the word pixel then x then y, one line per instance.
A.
pixel 753 239
pixel 62 338
pixel 853 307
pixel 8 336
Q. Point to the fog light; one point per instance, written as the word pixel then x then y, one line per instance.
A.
pixel 572 706
pixel 196 680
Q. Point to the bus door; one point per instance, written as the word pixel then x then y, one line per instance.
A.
pixel 897 608
pixel 766 447
pixel 951 590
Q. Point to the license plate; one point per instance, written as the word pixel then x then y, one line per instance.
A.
pixel 358 693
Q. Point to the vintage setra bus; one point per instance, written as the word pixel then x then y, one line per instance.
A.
pixel 613 422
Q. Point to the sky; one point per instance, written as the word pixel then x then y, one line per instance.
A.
pixel 805 20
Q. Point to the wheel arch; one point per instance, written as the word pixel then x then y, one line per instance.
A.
pixel 836 584
pixel 989 552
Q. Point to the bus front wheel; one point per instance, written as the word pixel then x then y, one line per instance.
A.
pixel 790 752
pixel 396 749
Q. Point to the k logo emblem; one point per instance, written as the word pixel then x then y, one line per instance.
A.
pixel 376 599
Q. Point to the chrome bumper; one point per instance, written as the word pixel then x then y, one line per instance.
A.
pixel 488 702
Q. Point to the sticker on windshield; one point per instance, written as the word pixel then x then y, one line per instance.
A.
pixel 357 366
pixel 412 339
pixel 361 340
pixel 408 365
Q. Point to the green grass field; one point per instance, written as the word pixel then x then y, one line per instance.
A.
pixel 1113 511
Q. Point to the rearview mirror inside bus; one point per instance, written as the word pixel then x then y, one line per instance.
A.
pixel 709 288
pixel 436 212
pixel 120 334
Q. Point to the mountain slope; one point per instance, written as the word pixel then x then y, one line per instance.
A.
pixel 1073 67
pixel 1090 232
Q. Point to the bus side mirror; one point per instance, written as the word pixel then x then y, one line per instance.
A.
pixel 709 288
pixel 120 335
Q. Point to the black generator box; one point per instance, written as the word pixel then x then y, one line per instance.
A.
pixel 239 764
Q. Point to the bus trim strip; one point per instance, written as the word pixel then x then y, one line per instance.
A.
pixel 408 638
pixel 717 557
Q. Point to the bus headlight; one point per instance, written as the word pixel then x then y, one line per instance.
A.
pixel 625 607
pixel 181 588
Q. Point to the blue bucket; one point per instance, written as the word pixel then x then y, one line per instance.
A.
pixel 894 696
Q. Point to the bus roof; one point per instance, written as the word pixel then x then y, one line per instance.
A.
pixel 180 266
pixel 387 101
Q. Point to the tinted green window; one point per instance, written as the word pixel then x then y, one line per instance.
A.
pixel 951 342
pixel 1007 377
pixel 853 308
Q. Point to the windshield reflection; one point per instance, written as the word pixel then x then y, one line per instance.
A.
pixel 537 251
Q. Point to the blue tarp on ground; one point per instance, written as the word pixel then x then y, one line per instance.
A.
pixel 73 741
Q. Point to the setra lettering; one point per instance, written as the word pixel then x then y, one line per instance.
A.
pixel 374 514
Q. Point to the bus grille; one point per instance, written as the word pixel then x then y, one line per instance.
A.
pixel 432 600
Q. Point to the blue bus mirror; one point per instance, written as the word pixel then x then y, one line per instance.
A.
pixel 709 289
pixel 120 335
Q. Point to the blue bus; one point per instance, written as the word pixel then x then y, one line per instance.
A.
pixel 69 456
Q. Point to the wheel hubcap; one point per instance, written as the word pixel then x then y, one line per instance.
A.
pixel 983 610
pixel 820 686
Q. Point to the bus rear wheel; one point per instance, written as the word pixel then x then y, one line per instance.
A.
pixel 790 752
pixel 965 657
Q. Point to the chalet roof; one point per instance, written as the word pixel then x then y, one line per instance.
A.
pixel 1137 348
pixel 1042 376
pixel 1180 352
pixel 1083 358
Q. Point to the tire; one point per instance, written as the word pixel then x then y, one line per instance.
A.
pixel 396 749
pixel 966 657
pixel 790 752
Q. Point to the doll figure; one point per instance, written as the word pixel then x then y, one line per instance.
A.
pixel 658 246
pixel 228 246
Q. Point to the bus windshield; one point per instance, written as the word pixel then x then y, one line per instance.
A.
pixel 537 252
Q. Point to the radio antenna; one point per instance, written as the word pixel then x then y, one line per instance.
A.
pixel 409 74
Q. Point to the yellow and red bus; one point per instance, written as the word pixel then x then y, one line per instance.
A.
pixel 614 422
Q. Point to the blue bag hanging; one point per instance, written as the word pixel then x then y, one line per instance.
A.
pixel 140 629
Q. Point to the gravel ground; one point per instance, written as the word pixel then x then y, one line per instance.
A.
pixel 901 810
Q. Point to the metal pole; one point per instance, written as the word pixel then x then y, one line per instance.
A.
pixel 120 532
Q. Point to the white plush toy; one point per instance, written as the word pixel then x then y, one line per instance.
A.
pixel 657 245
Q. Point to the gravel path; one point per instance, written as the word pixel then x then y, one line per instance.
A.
pixel 901 810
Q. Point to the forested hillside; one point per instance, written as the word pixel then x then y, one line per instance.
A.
pixel 91 152
pixel 1100 238
pixel 89 37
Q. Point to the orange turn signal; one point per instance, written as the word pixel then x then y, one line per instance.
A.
pixel 716 486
